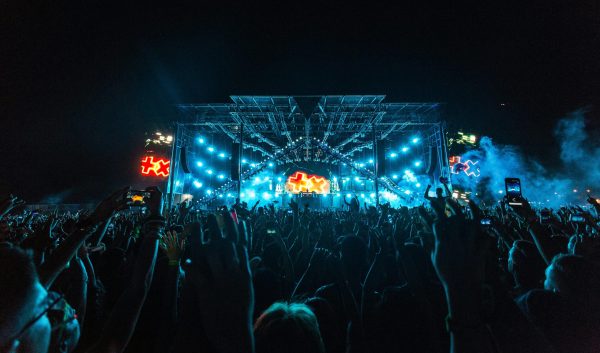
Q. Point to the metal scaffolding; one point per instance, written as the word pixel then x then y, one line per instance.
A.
pixel 343 123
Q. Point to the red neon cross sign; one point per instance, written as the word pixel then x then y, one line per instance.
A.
pixel 155 166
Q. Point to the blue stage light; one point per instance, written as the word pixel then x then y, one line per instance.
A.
pixel 279 179
pixel 407 192
pixel 197 184
pixel 348 195
pixel 211 149
pixel 199 164
pixel 393 154
pixel 372 195
pixel 417 163
pixel 209 171
pixel 270 164
pixel 244 161
pixel 418 185
pixel 266 195
pixel 356 179
pixel 200 140
pixel 266 178
pixel 395 176
pixel 370 161
pixel 251 194
pixel 209 191
pixel 252 165
pixel 222 155
pixel 257 180
pixel 404 149
pixel 221 176
pixel 415 140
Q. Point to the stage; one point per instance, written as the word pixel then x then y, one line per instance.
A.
pixel 317 150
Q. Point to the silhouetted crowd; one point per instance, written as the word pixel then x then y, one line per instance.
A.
pixel 448 276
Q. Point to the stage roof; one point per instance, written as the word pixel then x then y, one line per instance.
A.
pixel 345 122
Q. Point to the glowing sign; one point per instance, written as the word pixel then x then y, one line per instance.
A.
pixel 155 166
pixel 302 182
pixel 468 167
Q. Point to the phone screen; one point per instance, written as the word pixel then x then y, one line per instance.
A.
pixel 486 221
pixel 136 197
pixel 577 218
pixel 513 190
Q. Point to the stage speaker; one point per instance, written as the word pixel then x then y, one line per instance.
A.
pixel 183 160
pixel 380 158
pixel 432 160
pixel 235 161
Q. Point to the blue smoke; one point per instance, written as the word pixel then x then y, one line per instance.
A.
pixel 578 169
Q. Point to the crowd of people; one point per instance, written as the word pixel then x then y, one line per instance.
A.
pixel 443 277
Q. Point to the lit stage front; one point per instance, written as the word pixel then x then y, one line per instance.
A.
pixel 315 149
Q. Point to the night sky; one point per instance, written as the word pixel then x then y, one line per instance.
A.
pixel 80 84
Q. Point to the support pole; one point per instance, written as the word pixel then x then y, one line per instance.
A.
pixel 241 150
pixel 170 195
pixel 375 154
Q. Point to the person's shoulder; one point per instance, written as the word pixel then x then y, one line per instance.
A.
pixel 538 303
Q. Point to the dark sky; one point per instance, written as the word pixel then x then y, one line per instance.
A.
pixel 79 84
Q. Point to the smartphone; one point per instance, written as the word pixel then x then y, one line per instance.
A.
pixel 136 197
pixel 486 221
pixel 577 218
pixel 513 191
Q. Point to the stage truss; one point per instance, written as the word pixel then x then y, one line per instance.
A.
pixel 330 129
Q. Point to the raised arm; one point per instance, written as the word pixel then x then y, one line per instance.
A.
pixel 426 195
pixel 123 319
pixel 448 192
pixel 52 267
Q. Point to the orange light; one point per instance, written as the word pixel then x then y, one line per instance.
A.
pixel 152 166
pixel 302 182
pixel 137 198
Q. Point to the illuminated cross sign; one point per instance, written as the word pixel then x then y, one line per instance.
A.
pixel 155 166
pixel 468 166
pixel 302 182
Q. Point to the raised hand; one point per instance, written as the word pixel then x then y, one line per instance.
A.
pixel 107 207
pixel 8 204
pixel 173 245
pixel 459 253
pixel 524 211
pixel 155 201
pixel 224 287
